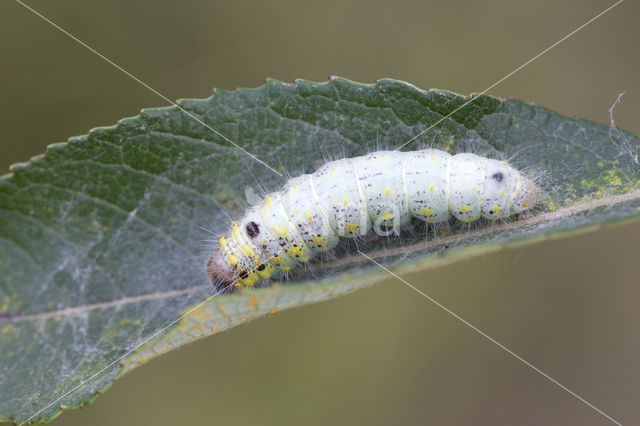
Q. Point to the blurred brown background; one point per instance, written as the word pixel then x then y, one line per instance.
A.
pixel 384 355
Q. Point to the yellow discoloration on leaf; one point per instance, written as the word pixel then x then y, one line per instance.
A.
pixel 613 179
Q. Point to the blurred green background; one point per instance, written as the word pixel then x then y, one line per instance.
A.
pixel 383 355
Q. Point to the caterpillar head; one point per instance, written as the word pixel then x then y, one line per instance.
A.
pixel 507 192
pixel 222 274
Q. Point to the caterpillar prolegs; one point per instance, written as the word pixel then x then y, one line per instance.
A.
pixel 351 197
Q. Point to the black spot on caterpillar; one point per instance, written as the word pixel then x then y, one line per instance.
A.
pixel 351 197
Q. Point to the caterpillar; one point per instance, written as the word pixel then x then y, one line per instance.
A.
pixel 348 198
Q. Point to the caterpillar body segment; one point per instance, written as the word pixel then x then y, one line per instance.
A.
pixel 349 198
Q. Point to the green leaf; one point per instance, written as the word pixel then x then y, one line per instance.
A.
pixel 103 240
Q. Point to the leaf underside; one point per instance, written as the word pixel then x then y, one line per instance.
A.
pixel 104 239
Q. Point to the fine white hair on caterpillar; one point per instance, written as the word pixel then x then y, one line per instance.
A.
pixel 349 198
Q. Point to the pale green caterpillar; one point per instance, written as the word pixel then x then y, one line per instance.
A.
pixel 348 198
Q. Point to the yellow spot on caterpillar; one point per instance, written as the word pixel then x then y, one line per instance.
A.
pixel 431 188
pixel 281 230
pixel 465 209
pixel 309 217
pixel 142 360
pixel 94 224
pixel 247 250
pixel 428 212
pixel 383 159
pixel 525 205
pixel 304 259
pixel 217 327
pixel 233 260
pixel 296 251
pixel 473 188
pixel 286 268
pixel 352 227
pixel 387 191
pixel 468 219
pixel 250 280
pixel 223 242
pixel 257 261
pixel 345 201
pixel 278 260
pixel 268 202
pixel 105 228
pixel 386 215
pixel 266 272
pixel 174 219
pixel 434 159
pixel 475 163
pixel 251 303
pixel 273 311
pixel 294 187
pixel 236 231
pixel 321 241
pixel 515 194
pixel 496 210
pixel 502 193
pixel 333 170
